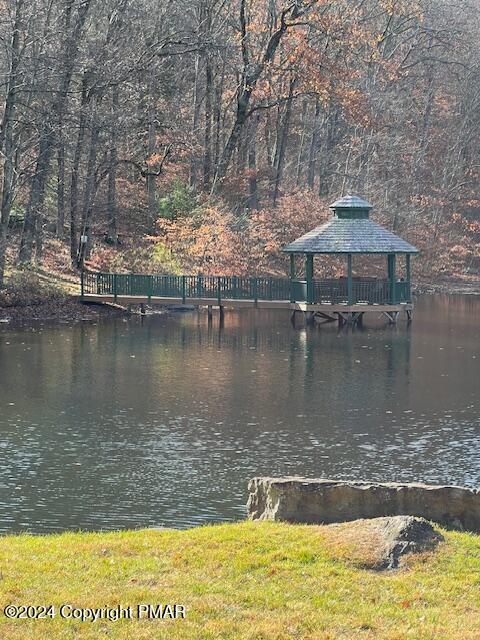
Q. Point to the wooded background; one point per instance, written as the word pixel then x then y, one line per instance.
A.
pixel 201 135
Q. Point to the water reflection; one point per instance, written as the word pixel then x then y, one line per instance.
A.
pixel 127 424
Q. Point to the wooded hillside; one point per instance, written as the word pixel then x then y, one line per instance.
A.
pixel 201 135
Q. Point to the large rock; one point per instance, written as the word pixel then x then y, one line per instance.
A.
pixel 384 541
pixel 318 501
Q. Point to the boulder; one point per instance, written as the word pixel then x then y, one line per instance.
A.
pixel 320 501
pixel 385 541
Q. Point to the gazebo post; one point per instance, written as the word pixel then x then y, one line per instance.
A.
pixel 407 275
pixel 292 277
pixel 392 260
pixel 309 277
pixel 349 279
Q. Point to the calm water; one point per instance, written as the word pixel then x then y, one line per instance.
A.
pixel 124 424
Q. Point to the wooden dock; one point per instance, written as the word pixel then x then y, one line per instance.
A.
pixel 331 303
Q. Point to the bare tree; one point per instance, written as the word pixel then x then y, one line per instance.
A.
pixel 7 137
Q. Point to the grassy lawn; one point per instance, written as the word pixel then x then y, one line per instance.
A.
pixel 238 581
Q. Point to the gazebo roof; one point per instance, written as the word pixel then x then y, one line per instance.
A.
pixel 350 231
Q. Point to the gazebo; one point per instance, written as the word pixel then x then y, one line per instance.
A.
pixel 350 232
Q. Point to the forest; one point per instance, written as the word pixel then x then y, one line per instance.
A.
pixel 198 136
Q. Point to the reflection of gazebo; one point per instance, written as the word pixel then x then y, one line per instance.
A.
pixel 351 232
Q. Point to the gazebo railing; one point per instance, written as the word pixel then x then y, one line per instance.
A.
pixel 331 291
pixel 364 291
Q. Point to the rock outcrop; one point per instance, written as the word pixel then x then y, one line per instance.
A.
pixel 318 501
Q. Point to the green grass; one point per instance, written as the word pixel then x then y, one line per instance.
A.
pixel 239 581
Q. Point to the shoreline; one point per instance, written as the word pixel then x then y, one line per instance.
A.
pixel 67 310
pixel 448 287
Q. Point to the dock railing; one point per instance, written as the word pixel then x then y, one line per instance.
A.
pixel 224 288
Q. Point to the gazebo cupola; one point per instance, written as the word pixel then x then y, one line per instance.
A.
pixel 351 207
pixel 350 232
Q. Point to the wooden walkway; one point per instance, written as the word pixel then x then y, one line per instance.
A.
pixel 328 298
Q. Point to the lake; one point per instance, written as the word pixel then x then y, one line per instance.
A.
pixel 161 422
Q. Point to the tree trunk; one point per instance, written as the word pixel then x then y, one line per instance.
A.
pixel 195 121
pixel 151 147
pixel 207 158
pixel 282 144
pixel 84 248
pixel 37 192
pixel 314 145
pixel 60 187
pixel 300 159
pixel 7 138
pixel 268 135
pixel 217 116
pixel 59 230
pixel 74 240
pixel 234 137
pixel 112 172
pixel 331 126
pixel 253 198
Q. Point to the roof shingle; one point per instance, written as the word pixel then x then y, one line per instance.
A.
pixel 350 235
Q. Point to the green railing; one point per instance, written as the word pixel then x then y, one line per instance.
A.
pixel 218 288
pixel 186 287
